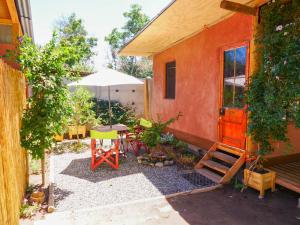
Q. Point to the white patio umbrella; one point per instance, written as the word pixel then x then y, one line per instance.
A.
pixel 106 78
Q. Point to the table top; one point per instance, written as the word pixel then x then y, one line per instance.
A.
pixel 118 127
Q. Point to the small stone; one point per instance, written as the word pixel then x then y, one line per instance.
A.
pixel 171 162
pixel 152 164
pixel 159 164
pixel 139 161
pixel 140 157
pixel 166 163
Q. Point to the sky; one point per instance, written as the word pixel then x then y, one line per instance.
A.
pixel 99 16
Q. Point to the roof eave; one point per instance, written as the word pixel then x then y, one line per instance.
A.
pixel 25 18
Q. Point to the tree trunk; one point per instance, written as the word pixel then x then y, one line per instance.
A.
pixel 43 169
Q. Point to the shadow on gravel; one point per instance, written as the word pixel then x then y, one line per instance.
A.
pixel 167 180
pixel 61 194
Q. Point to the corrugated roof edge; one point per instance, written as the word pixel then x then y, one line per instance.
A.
pixel 25 18
pixel 147 25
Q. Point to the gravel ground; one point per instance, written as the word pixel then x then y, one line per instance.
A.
pixel 76 186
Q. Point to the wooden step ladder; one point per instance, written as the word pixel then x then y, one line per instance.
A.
pixel 221 163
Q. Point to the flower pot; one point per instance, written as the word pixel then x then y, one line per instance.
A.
pixel 38 197
pixel 74 130
pixel 59 137
pixel 260 181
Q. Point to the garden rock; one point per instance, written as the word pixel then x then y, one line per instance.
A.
pixel 159 164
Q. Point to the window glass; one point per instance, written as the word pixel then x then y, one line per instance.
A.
pixel 170 80
pixel 234 77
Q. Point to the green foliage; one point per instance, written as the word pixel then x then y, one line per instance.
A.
pixel 27 210
pixel 82 108
pixel 71 32
pixel 136 66
pixel 170 139
pixel 30 188
pixel 274 90
pixel 75 147
pixel 45 68
pixel 152 136
pixel 120 114
pixel 35 166
pixel 167 138
pixel 237 184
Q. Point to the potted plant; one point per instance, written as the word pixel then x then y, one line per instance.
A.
pixel 172 146
pixel 259 178
pixel 82 112
pixel 167 141
pixel 152 135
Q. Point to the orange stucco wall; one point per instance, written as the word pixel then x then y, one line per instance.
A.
pixel 3 51
pixel 197 76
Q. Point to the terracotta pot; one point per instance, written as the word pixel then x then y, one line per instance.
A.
pixel 38 197
pixel 260 181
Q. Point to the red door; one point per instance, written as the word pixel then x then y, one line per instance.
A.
pixel 233 117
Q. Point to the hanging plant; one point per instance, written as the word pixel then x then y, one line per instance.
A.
pixel 274 91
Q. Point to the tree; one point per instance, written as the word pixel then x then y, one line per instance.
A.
pixel 135 66
pixel 82 109
pixel 71 31
pixel 46 68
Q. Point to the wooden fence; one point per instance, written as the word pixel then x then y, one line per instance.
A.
pixel 13 159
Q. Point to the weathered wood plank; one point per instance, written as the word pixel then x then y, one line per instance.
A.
pixel 237 7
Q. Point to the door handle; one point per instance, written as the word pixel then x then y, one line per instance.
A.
pixel 222 111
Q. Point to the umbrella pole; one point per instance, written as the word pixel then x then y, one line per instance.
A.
pixel 109 107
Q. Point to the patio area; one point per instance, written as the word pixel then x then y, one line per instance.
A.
pixel 78 187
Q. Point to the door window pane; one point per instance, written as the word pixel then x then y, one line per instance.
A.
pixel 234 77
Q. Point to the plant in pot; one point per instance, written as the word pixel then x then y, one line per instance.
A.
pixel 273 93
pixel 152 136
pixel 172 146
pixel 258 177
pixel 82 112
pixel 167 142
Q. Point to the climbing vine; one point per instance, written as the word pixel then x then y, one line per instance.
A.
pixel 274 91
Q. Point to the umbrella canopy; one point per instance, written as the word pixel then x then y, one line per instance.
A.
pixel 106 77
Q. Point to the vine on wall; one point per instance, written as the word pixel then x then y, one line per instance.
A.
pixel 274 91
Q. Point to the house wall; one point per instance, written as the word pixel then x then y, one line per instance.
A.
pixel 197 77
pixel 4 48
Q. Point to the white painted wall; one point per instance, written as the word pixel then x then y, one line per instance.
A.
pixel 132 95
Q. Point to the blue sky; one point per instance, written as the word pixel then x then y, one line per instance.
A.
pixel 100 17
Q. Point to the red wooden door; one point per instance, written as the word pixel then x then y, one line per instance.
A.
pixel 233 116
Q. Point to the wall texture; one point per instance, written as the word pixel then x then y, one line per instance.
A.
pixel 132 95
pixel 13 159
pixel 197 76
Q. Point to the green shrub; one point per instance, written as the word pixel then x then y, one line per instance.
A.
pixel 120 113
pixel 82 107
pixel 27 211
pixel 152 136
pixel 170 139
pixel 35 166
